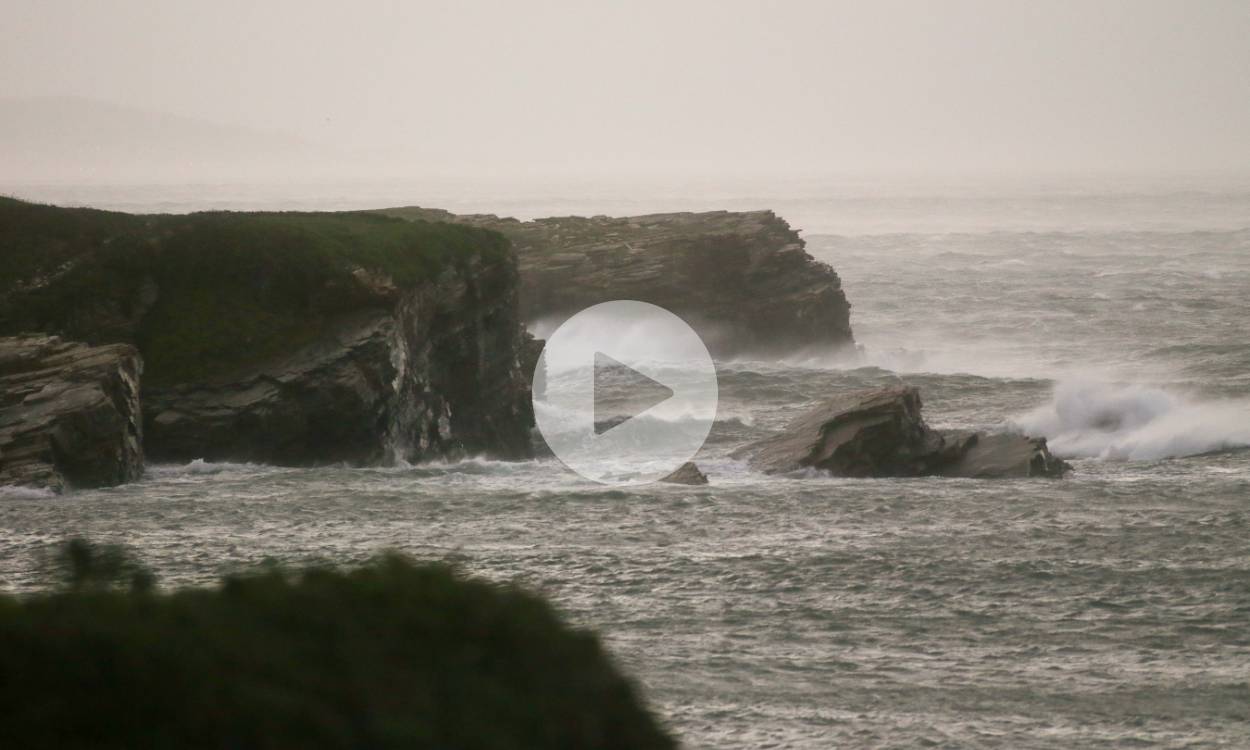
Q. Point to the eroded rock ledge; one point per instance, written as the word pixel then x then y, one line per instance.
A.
pixel 743 279
pixel 69 413
pixel 880 433
pixel 437 375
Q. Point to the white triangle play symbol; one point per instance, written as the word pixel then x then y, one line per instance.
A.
pixel 643 392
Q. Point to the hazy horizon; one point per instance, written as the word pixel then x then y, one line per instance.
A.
pixel 501 90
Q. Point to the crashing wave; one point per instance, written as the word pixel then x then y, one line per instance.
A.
pixel 200 466
pixel 1135 422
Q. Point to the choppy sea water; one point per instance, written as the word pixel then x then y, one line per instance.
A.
pixel 1109 609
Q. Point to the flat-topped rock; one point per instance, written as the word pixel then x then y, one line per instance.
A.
pixel 69 413
pixel 744 280
pixel 881 433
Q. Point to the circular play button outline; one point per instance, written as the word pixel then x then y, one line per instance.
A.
pixel 628 392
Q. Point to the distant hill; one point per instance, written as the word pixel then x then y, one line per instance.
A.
pixel 80 139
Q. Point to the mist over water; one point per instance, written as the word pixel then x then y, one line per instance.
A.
pixel 938 155
pixel 1104 610
pixel 817 204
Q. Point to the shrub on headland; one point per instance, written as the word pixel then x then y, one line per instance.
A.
pixel 389 655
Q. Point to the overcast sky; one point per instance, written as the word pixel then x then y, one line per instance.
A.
pixel 915 87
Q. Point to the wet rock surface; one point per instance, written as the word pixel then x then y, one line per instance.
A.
pixel 1006 455
pixel 69 413
pixel 687 473
pixel 881 433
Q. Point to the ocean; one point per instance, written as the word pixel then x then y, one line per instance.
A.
pixel 1109 609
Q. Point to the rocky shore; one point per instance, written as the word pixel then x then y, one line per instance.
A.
pixel 69 413
pixel 314 338
pixel 286 338
pixel 436 372
pixel 880 433
pixel 744 280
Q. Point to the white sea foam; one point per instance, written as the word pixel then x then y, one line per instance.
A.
pixel 13 492
pixel 1133 422
pixel 200 466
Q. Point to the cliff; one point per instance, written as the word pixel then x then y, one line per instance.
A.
pixel 290 338
pixel 69 413
pixel 744 280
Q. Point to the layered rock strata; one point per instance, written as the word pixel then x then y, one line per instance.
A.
pixel 287 338
pixel 438 375
pixel 744 280
pixel 69 413
pixel 880 433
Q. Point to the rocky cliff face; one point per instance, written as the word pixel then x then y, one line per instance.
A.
pixel 880 433
pixel 69 413
pixel 288 338
pixel 439 374
pixel 744 280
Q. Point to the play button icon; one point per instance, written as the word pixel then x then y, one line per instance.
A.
pixel 629 392
pixel 611 375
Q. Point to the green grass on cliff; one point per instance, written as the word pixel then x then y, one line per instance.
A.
pixel 205 294
pixel 389 655
pixel 36 239
pixel 241 288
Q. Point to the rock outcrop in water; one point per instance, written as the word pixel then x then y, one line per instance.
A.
pixel 69 413
pixel 287 338
pixel 880 433
pixel 687 473
pixel 1006 455
pixel 743 279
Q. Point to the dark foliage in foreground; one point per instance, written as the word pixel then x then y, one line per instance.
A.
pixel 390 655
pixel 86 565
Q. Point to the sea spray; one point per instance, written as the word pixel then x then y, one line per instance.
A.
pixel 1134 422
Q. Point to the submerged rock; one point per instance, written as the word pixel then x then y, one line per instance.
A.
pixel 880 433
pixel 687 473
pixel 743 279
pixel 69 413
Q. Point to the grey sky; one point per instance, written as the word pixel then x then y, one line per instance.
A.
pixel 911 87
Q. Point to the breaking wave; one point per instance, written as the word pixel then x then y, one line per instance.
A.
pixel 11 492
pixel 201 467
pixel 1135 423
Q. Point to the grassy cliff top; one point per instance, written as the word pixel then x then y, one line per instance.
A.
pixel 37 239
pixel 392 654
pixel 564 233
pixel 205 293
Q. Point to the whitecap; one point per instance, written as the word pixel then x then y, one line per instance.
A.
pixel 15 492
pixel 1087 419
pixel 200 466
